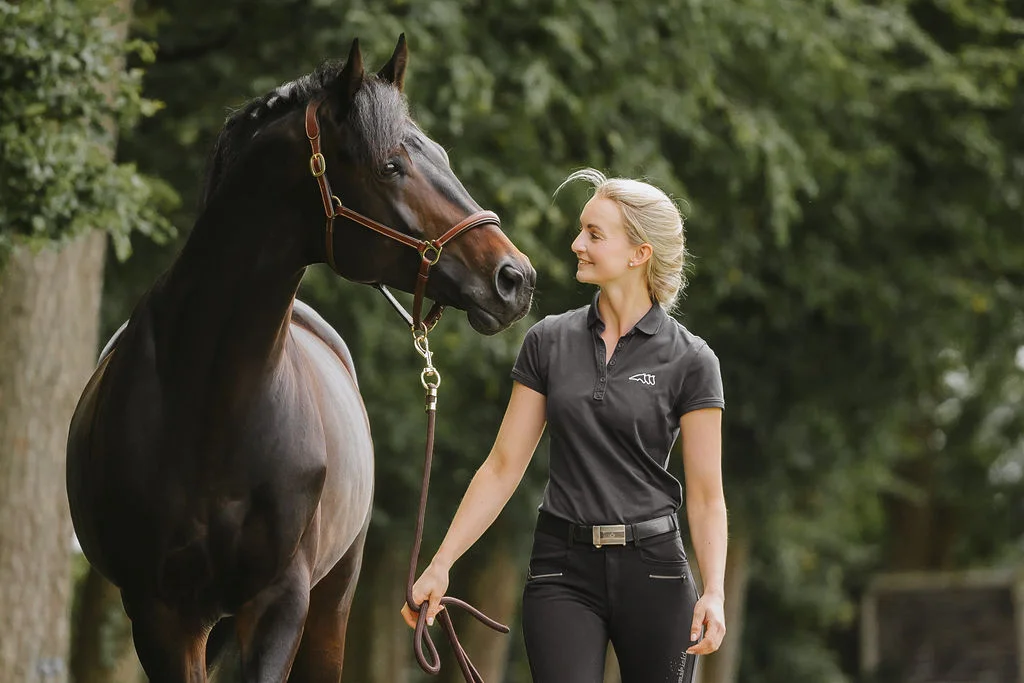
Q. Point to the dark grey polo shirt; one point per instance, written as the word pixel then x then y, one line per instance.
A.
pixel 612 427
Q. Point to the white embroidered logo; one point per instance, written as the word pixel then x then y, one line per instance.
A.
pixel 643 378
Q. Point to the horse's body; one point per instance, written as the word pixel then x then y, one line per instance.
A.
pixel 220 461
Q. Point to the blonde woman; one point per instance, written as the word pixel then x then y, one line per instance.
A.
pixel 616 383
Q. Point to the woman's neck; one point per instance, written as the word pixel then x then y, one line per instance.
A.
pixel 622 307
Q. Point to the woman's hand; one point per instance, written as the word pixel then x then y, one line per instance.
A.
pixel 709 612
pixel 431 586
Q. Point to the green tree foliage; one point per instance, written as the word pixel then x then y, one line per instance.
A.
pixel 63 97
pixel 852 177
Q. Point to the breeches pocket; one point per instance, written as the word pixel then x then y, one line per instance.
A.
pixel 548 557
pixel 664 550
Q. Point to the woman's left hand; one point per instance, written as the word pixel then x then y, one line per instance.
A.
pixel 709 612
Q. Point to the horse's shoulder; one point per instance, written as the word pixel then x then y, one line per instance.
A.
pixel 305 317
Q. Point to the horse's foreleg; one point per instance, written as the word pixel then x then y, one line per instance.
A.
pixel 170 649
pixel 270 626
pixel 322 651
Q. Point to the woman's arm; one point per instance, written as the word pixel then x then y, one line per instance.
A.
pixel 488 492
pixel 496 480
pixel 701 434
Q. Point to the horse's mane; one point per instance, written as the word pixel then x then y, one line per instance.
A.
pixel 379 119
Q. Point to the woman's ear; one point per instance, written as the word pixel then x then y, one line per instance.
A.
pixel 641 255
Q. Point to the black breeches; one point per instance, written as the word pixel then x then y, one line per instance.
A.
pixel 577 598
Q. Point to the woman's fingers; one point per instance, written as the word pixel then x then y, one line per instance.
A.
pixel 698 621
pixel 427 593
pixel 712 640
pixel 709 615
pixel 434 607
pixel 409 616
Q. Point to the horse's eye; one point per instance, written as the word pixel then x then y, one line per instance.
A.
pixel 391 169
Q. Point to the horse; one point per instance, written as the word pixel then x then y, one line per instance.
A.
pixel 219 460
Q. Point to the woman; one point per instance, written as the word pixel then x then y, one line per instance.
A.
pixel 615 382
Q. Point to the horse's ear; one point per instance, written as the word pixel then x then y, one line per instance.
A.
pixel 351 77
pixel 394 71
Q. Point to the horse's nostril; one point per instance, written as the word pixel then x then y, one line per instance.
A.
pixel 509 280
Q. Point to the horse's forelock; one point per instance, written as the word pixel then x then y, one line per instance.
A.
pixel 380 120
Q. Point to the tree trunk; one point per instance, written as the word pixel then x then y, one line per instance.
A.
pixel 49 319
pixel 921 530
pixel 49 304
pixel 102 650
pixel 378 647
pixel 496 590
pixel 724 665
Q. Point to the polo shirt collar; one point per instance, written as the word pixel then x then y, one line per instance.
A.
pixel 649 324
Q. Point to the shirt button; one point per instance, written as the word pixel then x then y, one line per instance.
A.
pixel 602 380
pixel 619 345
pixel 611 362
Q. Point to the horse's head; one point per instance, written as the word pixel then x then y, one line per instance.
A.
pixel 379 165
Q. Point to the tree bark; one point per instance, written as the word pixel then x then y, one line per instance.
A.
pixel 922 531
pixel 724 665
pixel 49 304
pixel 49 323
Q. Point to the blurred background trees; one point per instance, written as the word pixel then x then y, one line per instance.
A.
pixel 64 97
pixel 852 176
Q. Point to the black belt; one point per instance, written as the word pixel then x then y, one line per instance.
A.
pixel 605 534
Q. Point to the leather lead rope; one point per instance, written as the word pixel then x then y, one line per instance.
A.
pixel 430 378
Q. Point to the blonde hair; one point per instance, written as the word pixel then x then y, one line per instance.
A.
pixel 650 217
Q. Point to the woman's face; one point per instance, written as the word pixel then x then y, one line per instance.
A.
pixel 602 248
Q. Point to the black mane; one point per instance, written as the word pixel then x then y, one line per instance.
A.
pixel 379 119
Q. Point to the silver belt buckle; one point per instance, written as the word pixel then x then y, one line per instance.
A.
pixel 609 534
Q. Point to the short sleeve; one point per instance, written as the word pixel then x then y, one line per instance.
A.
pixel 702 384
pixel 531 368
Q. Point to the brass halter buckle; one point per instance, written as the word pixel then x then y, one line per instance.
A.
pixel 317 165
pixel 609 534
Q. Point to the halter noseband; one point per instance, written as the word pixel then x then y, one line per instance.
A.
pixel 429 250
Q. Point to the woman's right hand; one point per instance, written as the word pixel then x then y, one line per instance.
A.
pixel 431 586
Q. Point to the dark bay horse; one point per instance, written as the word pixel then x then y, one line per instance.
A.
pixel 219 464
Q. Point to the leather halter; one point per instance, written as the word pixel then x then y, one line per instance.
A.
pixel 429 250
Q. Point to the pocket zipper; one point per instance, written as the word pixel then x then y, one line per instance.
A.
pixel 545 576
pixel 663 576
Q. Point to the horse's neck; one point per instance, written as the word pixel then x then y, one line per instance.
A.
pixel 221 312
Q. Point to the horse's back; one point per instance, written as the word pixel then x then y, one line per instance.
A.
pixel 305 317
